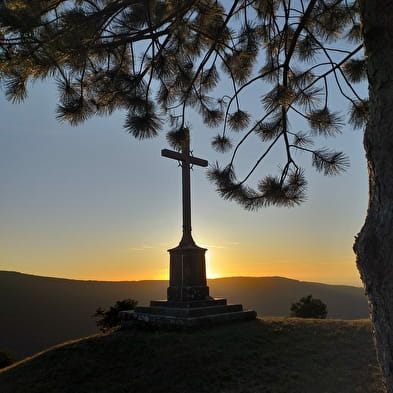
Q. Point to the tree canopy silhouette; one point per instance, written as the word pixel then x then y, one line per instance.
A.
pixel 156 60
pixel 308 307
pixel 108 319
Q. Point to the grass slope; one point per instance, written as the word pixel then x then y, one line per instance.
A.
pixel 269 355
pixel 38 312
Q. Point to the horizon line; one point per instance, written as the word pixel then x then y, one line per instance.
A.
pixel 213 278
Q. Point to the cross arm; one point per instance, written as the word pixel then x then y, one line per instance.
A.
pixel 181 157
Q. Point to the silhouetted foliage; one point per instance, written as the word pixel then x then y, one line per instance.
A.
pixel 308 307
pixel 156 59
pixel 108 319
pixel 6 359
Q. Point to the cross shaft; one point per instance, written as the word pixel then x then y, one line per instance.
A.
pixel 186 160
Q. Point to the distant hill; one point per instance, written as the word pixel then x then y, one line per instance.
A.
pixel 38 312
pixel 270 355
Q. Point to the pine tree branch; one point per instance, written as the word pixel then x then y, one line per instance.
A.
pixel 296 35
pixel 213 46
pixel 261 158
pixel 249 133
pixel 334 67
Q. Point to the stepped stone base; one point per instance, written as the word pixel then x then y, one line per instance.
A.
pixel 177 315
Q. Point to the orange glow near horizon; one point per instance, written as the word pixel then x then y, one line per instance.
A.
pixel 314 276
pixel 112 211
pixel 337 272
pixel 245 257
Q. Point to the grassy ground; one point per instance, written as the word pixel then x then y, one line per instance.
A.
pixel 269 355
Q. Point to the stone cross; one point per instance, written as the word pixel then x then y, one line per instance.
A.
pixel 187 160
pixel 188 301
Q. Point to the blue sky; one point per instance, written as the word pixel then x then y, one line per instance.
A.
pixel 91 202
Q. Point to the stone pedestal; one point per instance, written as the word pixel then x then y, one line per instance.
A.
pixel 189 304
pixel 180 315
pixel 187 274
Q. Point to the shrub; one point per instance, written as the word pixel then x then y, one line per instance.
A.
pixel 308 307
pixel 108 319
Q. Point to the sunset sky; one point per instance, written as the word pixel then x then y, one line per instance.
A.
pixel 92 202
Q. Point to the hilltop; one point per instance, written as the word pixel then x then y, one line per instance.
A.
pixel 271 355
pixel 38 312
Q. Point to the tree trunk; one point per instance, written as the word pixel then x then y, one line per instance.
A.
pixel 374 244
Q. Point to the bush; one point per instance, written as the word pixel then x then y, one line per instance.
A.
pixel 108 319
pixel 6 359
pixel 307 307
